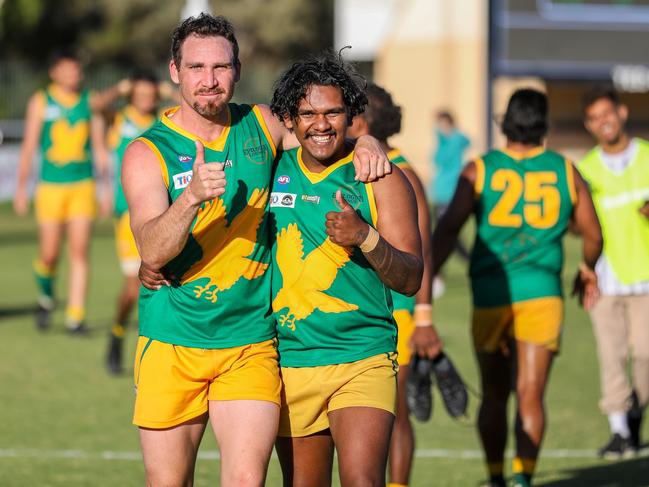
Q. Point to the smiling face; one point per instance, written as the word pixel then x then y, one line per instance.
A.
pixel 321 125
pixel 207 73
pixel 605 121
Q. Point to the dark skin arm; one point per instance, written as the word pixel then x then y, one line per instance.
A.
pixel 448 228
pixel 397 255
pixel 425 341
pixel 586 223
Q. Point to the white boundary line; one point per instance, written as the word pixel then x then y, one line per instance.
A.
pixel 8 453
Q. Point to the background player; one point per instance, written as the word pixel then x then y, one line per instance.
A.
pixel 129 122
pixel 523 198
pixel 382 119
pixel 617 171
pixel 60 120
pixel 335 328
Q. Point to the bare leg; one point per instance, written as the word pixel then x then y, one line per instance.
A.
pixel 306 461
pixel 362 439
pixel 533 363
pixel 245 431
pixel 170 454
pixel 402 444
pixel 79 231
pixel 495 374
pixel 50 238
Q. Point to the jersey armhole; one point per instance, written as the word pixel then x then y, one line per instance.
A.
pixel 570 179
pixel 161 160
pixel 264 128
pixel 478 186
pixel 371 200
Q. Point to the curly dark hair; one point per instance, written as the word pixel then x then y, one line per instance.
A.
pixel 599 92
pixel 526 119
pixel 324 70
pixel 205 25
pixel 382 115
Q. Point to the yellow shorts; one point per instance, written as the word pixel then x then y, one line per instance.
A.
pixel 309 393
pixel 406 327
pixel 536 321
pixel 173 384
pixel 129 258
pixel 60 203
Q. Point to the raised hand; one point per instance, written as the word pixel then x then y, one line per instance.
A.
pixel 344 227
pixel 370 160
pixel 208 179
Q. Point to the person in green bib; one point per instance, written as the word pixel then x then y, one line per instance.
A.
pixel 63 122
pixel 617 172
pixel 197 184
pixel 413 314
pixel 129 122
pixel 340 246
pixel 523 198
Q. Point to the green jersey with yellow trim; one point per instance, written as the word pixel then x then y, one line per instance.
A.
pixel 400 301
pixel 330 305
pixel 524 205
pixel 128 125
pixel 221 289
pixel 65 137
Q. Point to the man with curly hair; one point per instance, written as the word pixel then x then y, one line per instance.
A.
pixel 339 247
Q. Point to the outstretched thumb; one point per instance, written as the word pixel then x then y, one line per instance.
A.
pixel 200 153
pixel 342 202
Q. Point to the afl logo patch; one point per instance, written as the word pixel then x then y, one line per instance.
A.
pixel 283 179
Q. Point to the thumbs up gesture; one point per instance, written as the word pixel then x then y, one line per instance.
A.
pixel 344 227
pixel 208 179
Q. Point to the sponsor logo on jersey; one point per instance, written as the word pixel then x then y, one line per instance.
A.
pixel 255 151
pixel 182 180
pixel 52 112
pixel 351 195
pixel 283 200
pixel 311 199
pixel 284 179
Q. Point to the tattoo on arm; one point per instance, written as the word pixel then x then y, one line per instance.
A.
pixel 398 270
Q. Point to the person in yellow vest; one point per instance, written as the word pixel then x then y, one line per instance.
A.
pixel 61 120
pixel 617 171
pixel 413 314
pixel 129 122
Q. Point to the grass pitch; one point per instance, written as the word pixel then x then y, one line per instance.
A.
pixel 65 422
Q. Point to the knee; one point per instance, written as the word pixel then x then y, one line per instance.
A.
pixel 167 478
pixel 243 477
pixel 365 480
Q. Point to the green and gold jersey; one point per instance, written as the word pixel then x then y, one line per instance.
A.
pixel 524 204
pixel 401 302
pixel 329 303
pixel 65 137
pixel 221 294
pixel 128 125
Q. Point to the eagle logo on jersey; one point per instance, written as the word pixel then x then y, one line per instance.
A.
pixel 226 246
pixel 305 279
pixel 68 142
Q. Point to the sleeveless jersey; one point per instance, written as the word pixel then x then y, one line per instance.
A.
pixel 524 204
pixel 401 301
pixel 221 294
pixel 65 140
pixel 128 125
pixel 329 303
pixel 617 199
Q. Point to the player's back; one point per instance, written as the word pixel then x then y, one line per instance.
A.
pixel 524 204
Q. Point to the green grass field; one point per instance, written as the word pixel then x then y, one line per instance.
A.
pixel 65 422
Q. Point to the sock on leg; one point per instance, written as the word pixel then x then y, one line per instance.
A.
pixel 74 316
pixel 523 469
pixel 45 282
pixel 619 424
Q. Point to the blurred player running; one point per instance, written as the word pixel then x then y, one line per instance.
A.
pixel 382 119
pixel 523 198
pixel 60 120
pixel 130 122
